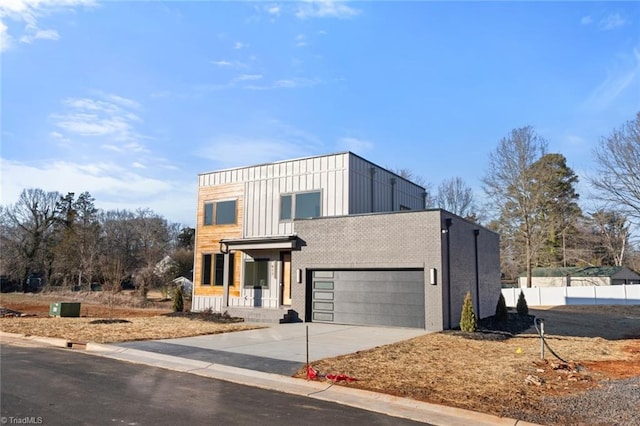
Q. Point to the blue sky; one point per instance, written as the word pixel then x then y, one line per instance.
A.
pixel 131 100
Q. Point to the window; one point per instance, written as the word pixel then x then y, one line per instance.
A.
pixel 208 213
pixel 226 212
pixel 206 269
pixel 256 274
pixel 300 206
pixel 219 269
pixel 220 213
pixel 285 207
pixel 307 205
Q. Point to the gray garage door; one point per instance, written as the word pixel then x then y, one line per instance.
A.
pixel 372 297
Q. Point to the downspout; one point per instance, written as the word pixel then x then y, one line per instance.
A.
pixel 476 232
pixel 448 222
pixel 393 194
pixel 372 170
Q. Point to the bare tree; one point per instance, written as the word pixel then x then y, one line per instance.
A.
pixel 455 196
pixel 410 175
pixel 612 230
pixel 510 183
pixel 618 157
pixel 31 220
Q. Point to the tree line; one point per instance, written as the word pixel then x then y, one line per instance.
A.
pixel 533 204
pixel 49 239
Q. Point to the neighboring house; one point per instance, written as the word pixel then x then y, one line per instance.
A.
pixel 580 276
pixel 185 283
pixel 337 239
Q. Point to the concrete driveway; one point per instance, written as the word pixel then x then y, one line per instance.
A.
pixel 279 348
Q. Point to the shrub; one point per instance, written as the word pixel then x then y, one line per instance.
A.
pixel 502 314
pixel 178 301
pixel 522 307
pixel 468 321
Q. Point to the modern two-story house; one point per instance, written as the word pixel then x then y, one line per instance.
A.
pixel 336 238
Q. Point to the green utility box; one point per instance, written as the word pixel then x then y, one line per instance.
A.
pixel 64 309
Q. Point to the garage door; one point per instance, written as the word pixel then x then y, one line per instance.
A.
pixel 372 297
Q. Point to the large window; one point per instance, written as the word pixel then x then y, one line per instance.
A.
pixel 256 274
pixel 220 213
pixel 219 269
pixel 300 206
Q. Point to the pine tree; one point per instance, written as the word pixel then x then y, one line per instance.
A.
pixel 468 320
pixel 501 309
pixel 522 307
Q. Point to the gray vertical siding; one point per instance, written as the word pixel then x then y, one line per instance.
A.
pixel 405 192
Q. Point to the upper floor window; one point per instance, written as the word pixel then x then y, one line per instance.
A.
pixel 300 206
pixel 220 213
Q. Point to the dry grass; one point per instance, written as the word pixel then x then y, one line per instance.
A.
pixel 489 376
pixel 137 328
pixel 142 323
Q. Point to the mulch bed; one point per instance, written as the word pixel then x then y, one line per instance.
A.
pixel 492 329
pixel 223 318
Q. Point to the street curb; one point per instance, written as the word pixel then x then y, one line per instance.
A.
pixel 326 391
pixel 51 341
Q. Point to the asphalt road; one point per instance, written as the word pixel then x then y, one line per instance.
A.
pixel 60 387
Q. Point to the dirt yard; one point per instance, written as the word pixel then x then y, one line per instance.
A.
pixel 491 372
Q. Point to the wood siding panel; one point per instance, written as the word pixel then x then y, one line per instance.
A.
pixel 208 237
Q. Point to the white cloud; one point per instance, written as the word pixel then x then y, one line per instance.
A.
pixel 355 145
pixel 239 45
pixel 28 14
pixel 63 141
pixel 273 9
pixel 110 116
pixel 6 41
pixel 113 186
pixel 611 22
pixel 301 40
pixel 325 9
pixel 222 63
pixel 619 79
pixel 586 20
pixel 248 77
pixel 40 35
pixel 266 141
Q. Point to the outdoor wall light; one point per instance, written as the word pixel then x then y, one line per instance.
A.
pixel 299 276
pixel 433 276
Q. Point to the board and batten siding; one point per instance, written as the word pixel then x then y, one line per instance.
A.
pixel 264 184
pixel 361 190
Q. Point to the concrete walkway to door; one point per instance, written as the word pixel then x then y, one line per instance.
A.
pixel 278 348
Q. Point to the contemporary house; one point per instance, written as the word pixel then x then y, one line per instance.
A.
pixel 336 239
pixel 580 276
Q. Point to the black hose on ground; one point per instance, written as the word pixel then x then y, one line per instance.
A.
pixel 535 323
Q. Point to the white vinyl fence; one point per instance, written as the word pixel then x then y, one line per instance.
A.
pixel 588 295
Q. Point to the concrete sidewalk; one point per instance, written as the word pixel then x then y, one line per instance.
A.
pixel 371 401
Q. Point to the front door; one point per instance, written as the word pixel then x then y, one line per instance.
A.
pixel 286 279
